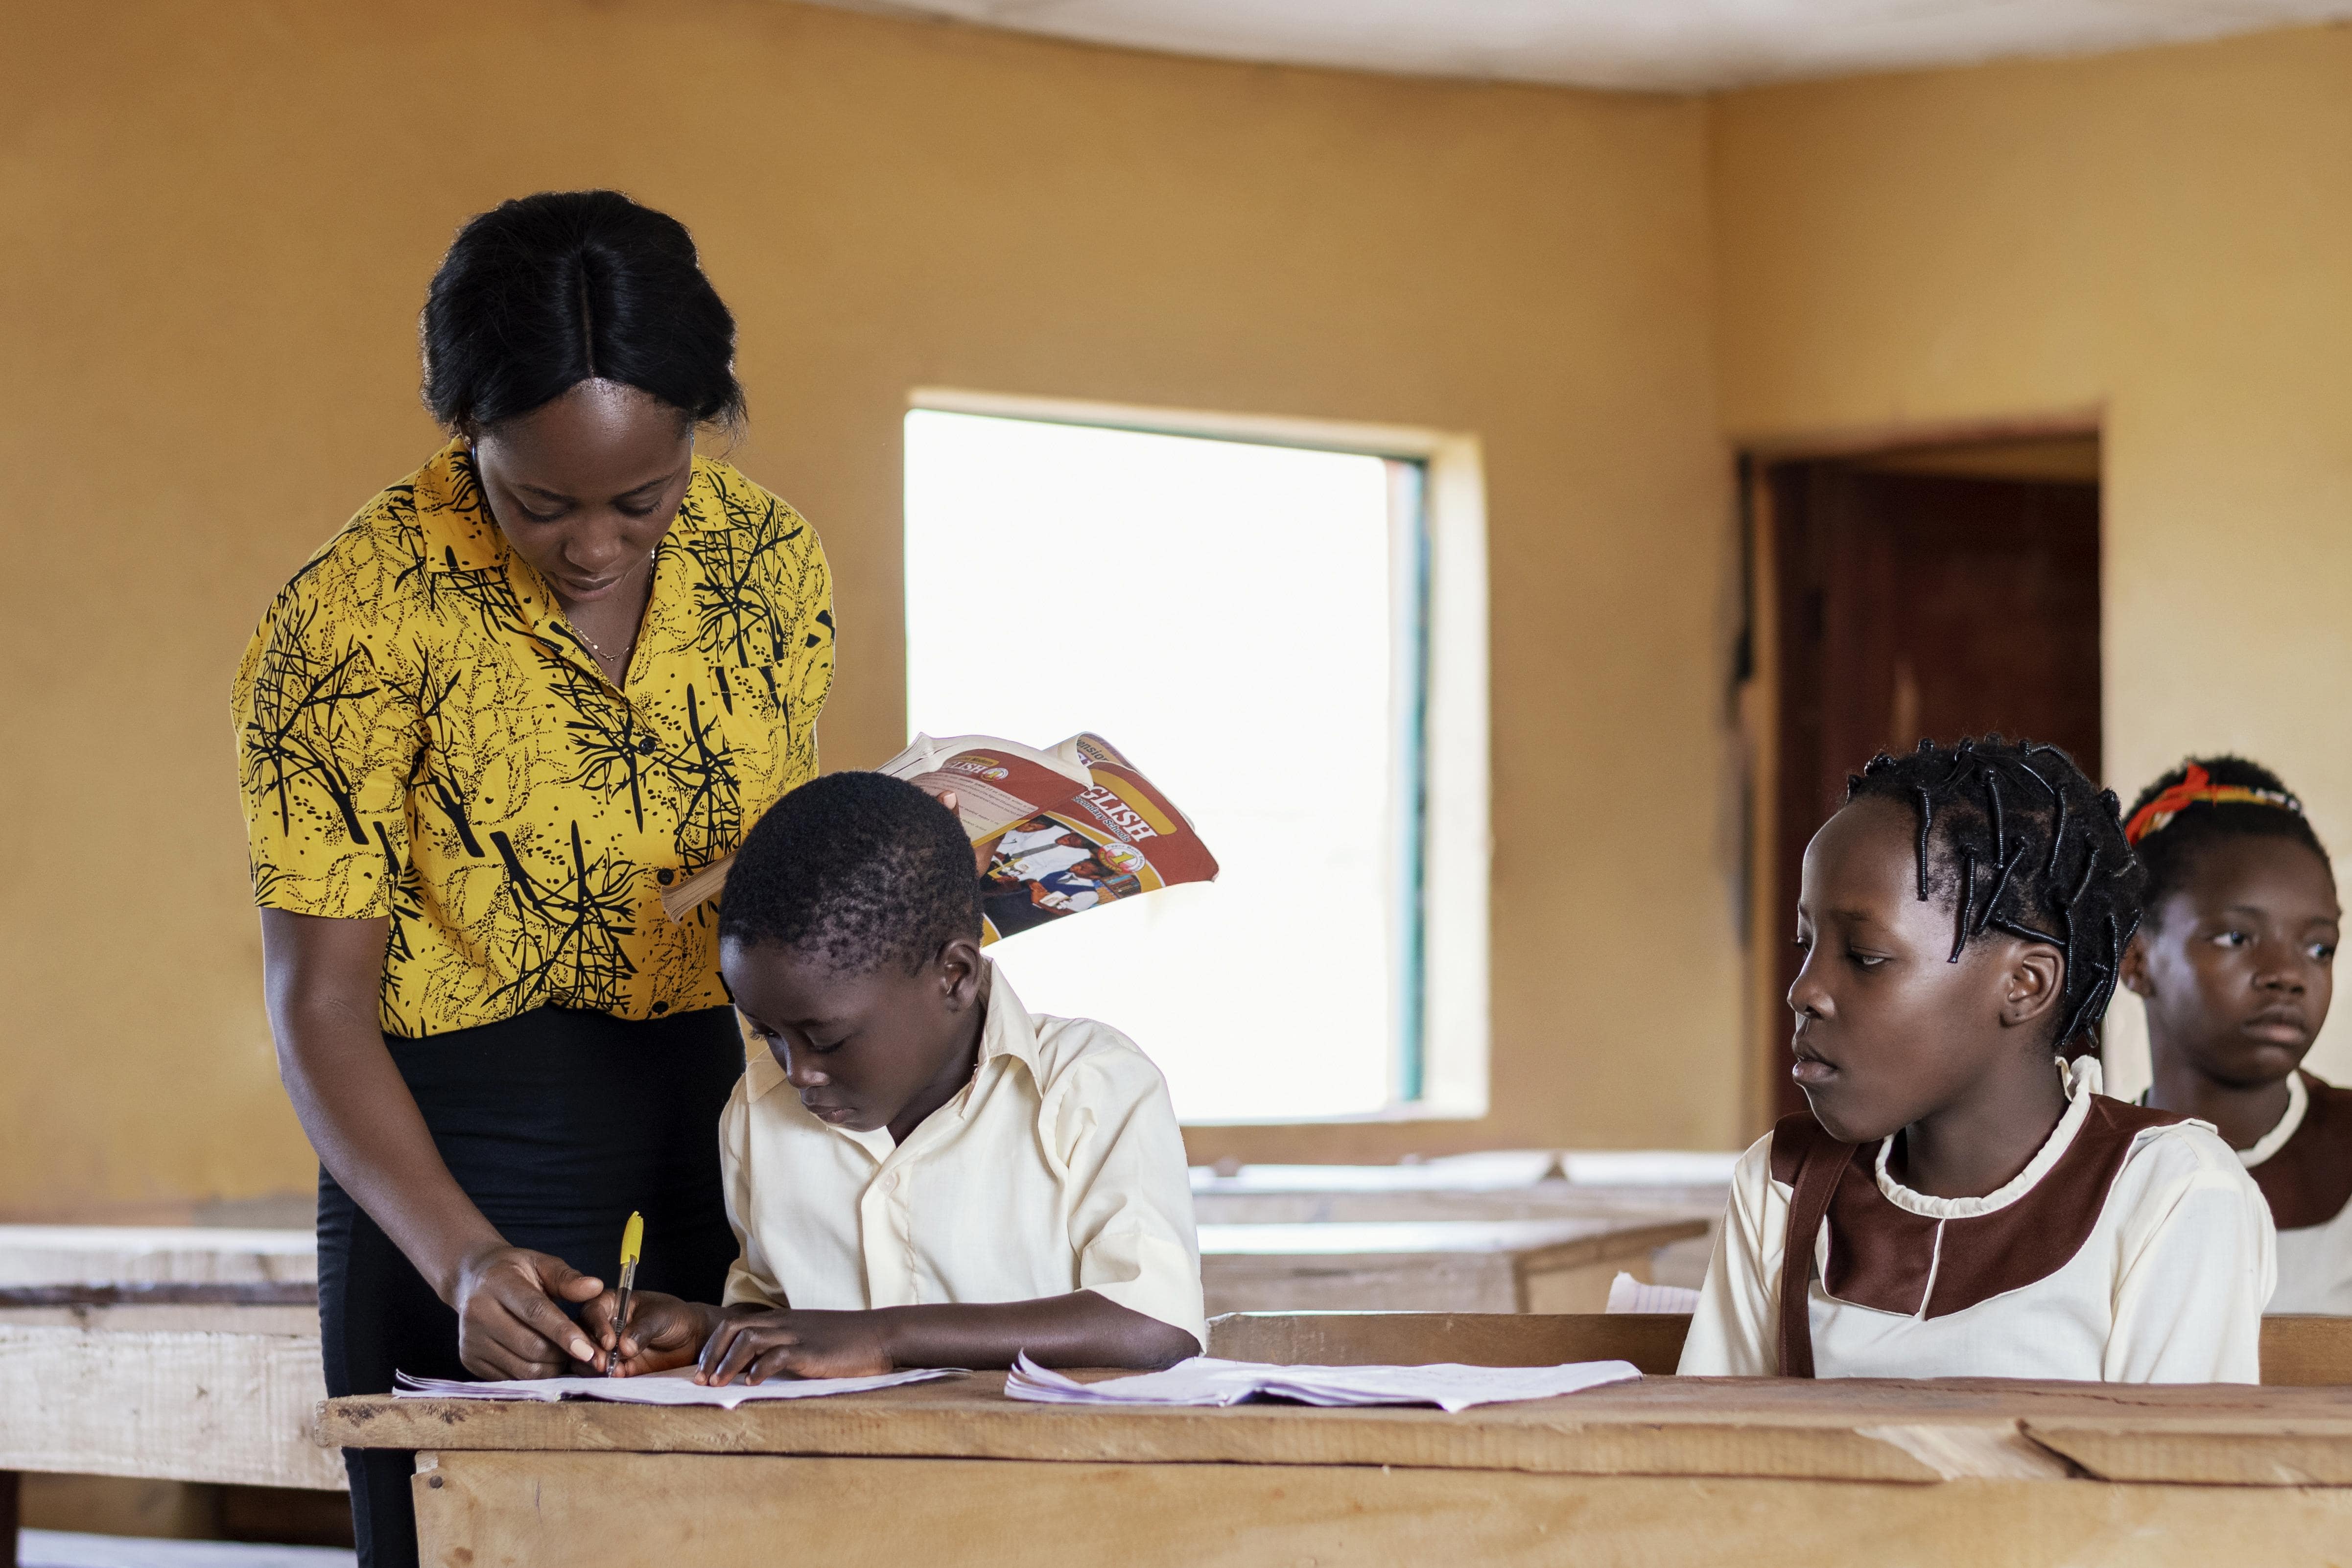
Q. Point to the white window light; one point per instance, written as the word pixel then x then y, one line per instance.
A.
pixel 1284 623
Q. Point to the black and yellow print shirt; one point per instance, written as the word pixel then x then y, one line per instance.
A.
pixel 422 735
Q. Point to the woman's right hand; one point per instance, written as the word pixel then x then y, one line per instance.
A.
pixel 663 1332
pixel 324 976
pixel 508 1324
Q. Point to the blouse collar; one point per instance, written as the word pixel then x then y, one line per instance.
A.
pixel 2081 1080
pixel 2298 1101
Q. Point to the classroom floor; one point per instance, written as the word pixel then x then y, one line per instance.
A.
pixel 69 1549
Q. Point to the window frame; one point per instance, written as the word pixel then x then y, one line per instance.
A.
pixel 1454 844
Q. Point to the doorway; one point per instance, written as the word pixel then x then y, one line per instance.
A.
pixel 1938 590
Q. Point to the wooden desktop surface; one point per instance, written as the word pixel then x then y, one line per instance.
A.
pixel 1662 1473
pixel 1843 1429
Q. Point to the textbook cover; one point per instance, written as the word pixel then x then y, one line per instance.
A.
pixel 1054 832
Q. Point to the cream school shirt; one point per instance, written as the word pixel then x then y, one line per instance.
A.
pixel 2168 1287
pixel 1058 1167
pixel 2315 1261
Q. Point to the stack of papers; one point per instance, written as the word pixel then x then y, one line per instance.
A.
pixel 672 1388
pixel 1627 1294
pixel 1203 1380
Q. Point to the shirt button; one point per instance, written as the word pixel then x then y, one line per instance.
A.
pixel 646 748
pixel 660 1007
pixel 665 876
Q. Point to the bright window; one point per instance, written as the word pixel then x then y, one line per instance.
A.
pixel 1248 622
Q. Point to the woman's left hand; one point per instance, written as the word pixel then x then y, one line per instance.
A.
pixel 980 853
pixel 780 1343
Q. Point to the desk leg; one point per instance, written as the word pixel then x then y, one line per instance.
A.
pixel 10 1493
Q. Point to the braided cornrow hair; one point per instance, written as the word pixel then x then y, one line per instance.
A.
pixel 2018 841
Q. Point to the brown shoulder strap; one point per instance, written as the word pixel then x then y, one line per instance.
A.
pixel 1824 1161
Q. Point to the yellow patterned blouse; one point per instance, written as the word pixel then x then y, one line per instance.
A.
pixel 421 735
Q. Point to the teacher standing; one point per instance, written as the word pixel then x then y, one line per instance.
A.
pixel 563 665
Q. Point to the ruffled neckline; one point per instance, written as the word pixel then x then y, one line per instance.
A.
pixel 2082 1081
pixel 2298 1101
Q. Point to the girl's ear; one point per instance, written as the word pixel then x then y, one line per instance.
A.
pixel 2132 970
pixel 2033 984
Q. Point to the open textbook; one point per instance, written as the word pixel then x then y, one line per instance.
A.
pixel 1204 1380
pixel 672 1388
pixel 1066 829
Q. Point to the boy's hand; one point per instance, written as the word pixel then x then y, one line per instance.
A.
pixel 663 1332
pixel 780 1343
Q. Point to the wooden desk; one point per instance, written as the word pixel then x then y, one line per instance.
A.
pixel 1667 1473
pixel 1543 1201
pixel 222 1390
pixel 167 1352
pixel 1560 1265
pixel 36 1257
pixel 1458 1262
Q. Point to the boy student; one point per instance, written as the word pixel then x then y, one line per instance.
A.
pixel 1963 1201
pixel 919 1172
pixel 2236 965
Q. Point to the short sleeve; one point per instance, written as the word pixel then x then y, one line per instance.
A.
pixel 1734 1330
pixel 809 664
pixel 326 741
pixel 751 1278
pixel 2198 1268
pixel 1130 1193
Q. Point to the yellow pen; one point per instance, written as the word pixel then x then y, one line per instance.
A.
pixel 633 1241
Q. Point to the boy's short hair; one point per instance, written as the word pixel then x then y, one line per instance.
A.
pixel 856 868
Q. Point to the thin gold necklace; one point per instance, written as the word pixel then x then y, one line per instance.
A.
pixel 629 647
pixel 602 656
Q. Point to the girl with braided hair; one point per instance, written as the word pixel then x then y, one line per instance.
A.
pixel 1962 1200
pixel 2236 965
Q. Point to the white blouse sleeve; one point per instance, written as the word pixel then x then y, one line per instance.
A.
pixel 2198 1267
pixel 1128 1189
pixel 1736 1330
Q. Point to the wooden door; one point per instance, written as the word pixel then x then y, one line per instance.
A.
pixel 1915 604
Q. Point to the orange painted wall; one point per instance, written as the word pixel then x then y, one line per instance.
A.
pixel 218 225
pixel 2163 234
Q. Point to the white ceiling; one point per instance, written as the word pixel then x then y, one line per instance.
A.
pixel 1672 45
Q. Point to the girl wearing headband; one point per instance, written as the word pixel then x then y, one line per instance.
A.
pixel 2234 961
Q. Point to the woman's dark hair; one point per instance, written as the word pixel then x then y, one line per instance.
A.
pixel 2176 832
pixel 856 870
pixel 2017 840
pixel 540 294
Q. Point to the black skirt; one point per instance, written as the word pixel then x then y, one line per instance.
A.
pixel 556 1124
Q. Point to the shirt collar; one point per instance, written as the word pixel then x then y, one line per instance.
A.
pixel 458 531
pixel 1008 1036
pixel 1010 1031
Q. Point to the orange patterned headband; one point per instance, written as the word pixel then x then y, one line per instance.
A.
pixel 2197 789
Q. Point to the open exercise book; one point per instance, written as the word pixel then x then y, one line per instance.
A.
pixel 1066 829
pixel 1204 1380
pixel 674 1387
